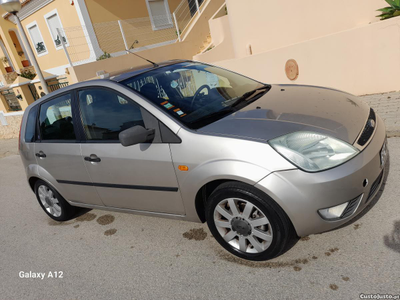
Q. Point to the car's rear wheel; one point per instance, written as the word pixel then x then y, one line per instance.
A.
pixel 248 223
pixel 53 203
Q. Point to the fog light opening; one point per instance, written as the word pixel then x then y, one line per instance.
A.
pixel 334 212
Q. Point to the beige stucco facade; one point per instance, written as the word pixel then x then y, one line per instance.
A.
pixel 269 24
pixel 107 11
pixel 54 57
pixel 339 44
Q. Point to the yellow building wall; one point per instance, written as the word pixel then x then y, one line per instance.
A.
pixel 69 18
pixel 3 105
pixel 107 11
pixel 26 94
pixel 104 15
pixel 5 26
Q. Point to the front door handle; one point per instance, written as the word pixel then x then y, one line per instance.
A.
pixel 93 158
pixel 40 154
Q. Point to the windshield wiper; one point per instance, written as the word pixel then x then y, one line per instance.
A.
pixel 252 95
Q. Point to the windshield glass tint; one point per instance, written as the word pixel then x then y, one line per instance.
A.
pixel 196 94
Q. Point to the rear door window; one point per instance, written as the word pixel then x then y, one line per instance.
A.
pixel 55 121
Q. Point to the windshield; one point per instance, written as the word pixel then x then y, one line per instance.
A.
pixel 196 94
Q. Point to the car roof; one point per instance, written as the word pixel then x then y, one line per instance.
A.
pixel 144 68
pixel 115 78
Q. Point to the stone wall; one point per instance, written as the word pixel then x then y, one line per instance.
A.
pixel 12 129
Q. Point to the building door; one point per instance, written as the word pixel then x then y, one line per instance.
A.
pixel 34 92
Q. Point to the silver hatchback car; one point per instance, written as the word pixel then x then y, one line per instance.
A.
pixel 262 164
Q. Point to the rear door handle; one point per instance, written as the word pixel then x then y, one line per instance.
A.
pixel 92 158
pixel 40 154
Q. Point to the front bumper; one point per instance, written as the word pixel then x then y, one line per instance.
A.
pixel 302 194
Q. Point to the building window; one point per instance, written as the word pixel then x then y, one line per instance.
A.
pixel 37 39
pixel 160 15
pixel 53 22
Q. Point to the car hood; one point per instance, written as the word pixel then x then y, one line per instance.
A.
pixel 290 108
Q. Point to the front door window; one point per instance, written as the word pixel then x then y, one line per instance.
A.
pixel 105 114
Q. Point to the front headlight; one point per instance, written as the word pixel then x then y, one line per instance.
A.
pixel 313 152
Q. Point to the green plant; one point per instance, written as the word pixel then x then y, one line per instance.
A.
pixel 391 11
pixel 40 47
pixel 180 32
pixel 28 74
pixel 5 61
pixel 58 41
pixel 105 55
pixel 209 48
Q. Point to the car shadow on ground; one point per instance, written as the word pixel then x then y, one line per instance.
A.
pixel 392 240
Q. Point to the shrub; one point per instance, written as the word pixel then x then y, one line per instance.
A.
pixel 28 74
pixel 391 11
pixel 105 55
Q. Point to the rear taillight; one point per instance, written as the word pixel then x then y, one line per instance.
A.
pixel 19 137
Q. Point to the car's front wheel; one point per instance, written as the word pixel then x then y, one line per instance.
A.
pixel 247 223
pixel 53 203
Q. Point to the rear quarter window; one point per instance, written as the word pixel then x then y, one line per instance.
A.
pixel 30 128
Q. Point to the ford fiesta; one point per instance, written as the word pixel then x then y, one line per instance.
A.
pixel 261 164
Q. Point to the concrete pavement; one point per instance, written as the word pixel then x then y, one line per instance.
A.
pixel 107 255
pixel 388 107
pixel 8 147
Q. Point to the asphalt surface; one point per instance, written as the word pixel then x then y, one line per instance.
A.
pixel 107 255
pixel 8 147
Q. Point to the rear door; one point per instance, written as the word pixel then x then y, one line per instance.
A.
pixel 139 177
pixel 58 150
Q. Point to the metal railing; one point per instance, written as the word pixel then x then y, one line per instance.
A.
pixel 185 11
pixel 58 85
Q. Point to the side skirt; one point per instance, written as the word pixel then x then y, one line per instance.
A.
pixel 130 211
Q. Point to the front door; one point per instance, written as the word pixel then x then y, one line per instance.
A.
pixel 139 177
pixel 59 154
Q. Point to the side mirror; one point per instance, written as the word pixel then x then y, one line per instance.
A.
pixel 136 135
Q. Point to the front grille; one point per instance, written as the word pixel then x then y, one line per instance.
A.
pixel 368 129
pixel 374 186
pixel 351 207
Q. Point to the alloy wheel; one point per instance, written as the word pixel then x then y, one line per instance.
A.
pixel 243 225
pixel 49 201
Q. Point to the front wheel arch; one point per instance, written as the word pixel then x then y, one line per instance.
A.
pixel 207 189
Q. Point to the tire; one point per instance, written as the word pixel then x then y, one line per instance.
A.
pixel 60 211
pixel 253 236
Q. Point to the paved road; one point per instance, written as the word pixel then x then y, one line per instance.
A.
pixel 8 147
pixel 388 107
pixel 107 255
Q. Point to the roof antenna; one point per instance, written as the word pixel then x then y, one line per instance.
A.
pixel 129 50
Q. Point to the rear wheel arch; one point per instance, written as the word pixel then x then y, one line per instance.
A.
pixel 32 181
